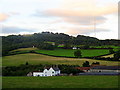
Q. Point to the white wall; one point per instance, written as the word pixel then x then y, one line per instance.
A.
pixel 38 74
pixel 46 72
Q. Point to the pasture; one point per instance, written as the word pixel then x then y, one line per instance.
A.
pixel 15 60
pixel 106 46
pixel 70 52
pixel 61 82
pixel 106 56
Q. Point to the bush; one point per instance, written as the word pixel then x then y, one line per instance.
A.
pixel 78 54
pixel 117 56
pixel 86 64
pixel 111 51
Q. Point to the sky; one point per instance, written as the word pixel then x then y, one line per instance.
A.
pixel 95 18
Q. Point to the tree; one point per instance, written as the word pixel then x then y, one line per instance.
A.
pixel 67 46
pixel 26 63
pixel 86 64
pixel 117 55
pixel 46 46
pixel 111 51
pixel 85 47
pixel 78 54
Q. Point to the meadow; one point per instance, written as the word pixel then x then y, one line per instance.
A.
pixel 61 82
pixel 70 52
pixel 32 58
pixel 106 46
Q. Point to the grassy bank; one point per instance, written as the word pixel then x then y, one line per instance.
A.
pixel 32 58
pixel 61 82
pixel 70 52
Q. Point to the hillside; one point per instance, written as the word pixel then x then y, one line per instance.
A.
pixel 13 42
pixel 16 60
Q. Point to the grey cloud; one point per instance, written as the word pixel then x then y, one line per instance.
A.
pixel 73 19
pixel 8 30
pixel 89 30
pixel 85 20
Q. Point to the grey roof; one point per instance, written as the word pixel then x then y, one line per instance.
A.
pixel 56 68
pixel 107 67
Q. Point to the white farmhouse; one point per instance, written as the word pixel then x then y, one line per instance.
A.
pixel 52 71
pixel 74 48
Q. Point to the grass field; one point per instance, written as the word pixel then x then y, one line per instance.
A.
pixel 111 56
pixel 25 49
pixel 61 82
pixel 70 53
pixel 15 60
pixel 105 46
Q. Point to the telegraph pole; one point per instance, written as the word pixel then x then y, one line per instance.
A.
pixel 94 26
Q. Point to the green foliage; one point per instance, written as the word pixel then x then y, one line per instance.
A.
pixel 86 64
pixel 78 54
pixel 117 55
pixel 111 51
pixel 67 46
pixel 85 47
pixel 46 46
pixel 26 63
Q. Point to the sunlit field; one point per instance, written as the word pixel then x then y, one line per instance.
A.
pixel 15 60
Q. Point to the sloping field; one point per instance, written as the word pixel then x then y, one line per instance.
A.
pixel 32 58
pixel 106 56
pixel 61 82
pixel 70 52
pixel 24 49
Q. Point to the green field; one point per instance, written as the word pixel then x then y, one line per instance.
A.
pixel 61 82
pixel 15 60
pixel 106 46
pixel 70 52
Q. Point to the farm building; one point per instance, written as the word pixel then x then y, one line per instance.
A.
pixel 85 69
pixel 105 69
pixel 52 71
pixel 102 70
pixel 74 48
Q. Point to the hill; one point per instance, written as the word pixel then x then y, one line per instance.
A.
pixel 13 42
pixel 36 59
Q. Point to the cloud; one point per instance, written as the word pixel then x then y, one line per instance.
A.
pixel 84 30
pixel 80 12
pixel 14 30
pixel 85 20
pixel 3 17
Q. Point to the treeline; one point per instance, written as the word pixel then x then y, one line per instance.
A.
pixel 23 70
pixel 12 42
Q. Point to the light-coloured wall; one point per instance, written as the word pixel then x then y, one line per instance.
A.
pixel 101 70
pixel 38 74
pixel 46 72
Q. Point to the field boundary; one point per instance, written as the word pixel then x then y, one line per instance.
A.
pixel 93 57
